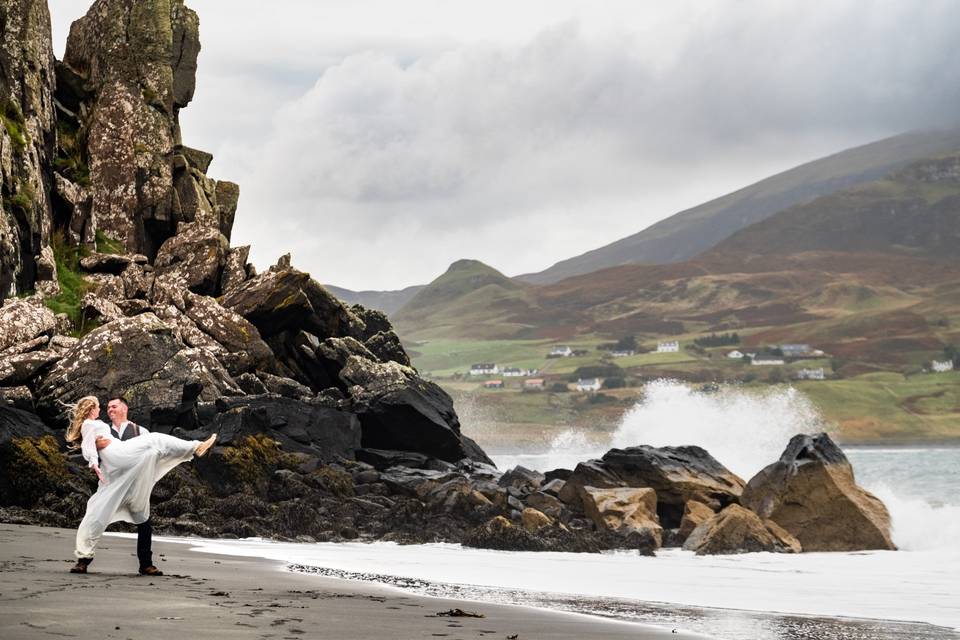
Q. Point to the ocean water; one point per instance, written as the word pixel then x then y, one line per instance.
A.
pixel 913 593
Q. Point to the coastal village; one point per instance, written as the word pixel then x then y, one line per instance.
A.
pixel 615 366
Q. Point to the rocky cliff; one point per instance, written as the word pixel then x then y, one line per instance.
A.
pixel 118 273
pixel 27 140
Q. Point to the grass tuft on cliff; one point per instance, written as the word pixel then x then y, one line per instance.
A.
pixel 12 118
pixel 106 244
pixel 72 284
pixel 70 161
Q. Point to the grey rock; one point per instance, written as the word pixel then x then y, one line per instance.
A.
pixel 22 321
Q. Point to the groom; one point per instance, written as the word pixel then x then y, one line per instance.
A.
pixel 123 429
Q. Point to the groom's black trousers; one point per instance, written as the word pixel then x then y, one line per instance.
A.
pixel 145 544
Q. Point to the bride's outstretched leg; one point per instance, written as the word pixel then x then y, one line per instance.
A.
pixel 204 446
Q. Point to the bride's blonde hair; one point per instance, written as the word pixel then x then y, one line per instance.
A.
pixel 79 413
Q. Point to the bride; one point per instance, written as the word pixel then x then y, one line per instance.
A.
pixel 130 469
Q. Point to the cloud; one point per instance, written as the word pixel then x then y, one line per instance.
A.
pixel 379 150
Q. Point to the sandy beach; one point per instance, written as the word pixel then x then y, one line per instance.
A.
pixel 209 596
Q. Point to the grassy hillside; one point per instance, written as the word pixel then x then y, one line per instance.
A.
pixel 688 233
pixel 469 299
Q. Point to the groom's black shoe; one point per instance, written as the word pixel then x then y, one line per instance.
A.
pixel 150 571
pixel 81 566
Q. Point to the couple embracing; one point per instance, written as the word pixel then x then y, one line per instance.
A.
pixel 128 460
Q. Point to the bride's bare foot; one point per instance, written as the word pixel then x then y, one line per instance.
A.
pixel 204 446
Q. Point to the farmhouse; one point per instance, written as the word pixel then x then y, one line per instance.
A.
pixel 560 352
pixel 484 369
pixel 533 384
pixel 512 372
pixel 668 347
pixel 768 360
pixel 938 366
pixel 588 384
pixel 811 374
pixel 493 384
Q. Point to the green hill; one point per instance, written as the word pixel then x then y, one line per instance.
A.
pixel 469 299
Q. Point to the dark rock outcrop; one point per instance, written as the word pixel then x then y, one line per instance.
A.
pixel 811 492
pixel 400 410
pixel 300 426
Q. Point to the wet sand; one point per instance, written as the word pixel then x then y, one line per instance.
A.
pixel 208 596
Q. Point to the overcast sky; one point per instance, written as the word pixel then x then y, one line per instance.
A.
pixel 379 140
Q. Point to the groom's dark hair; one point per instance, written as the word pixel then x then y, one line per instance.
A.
pixel 120 398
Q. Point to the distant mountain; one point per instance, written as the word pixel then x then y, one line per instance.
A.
pixel 915 210
pixel 689 233
pixel 387 301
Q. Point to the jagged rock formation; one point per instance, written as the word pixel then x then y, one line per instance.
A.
pixel 129 67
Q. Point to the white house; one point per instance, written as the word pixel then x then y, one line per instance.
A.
pixel 560 352
pixel 668 347
pixel 589 384
pixel 762 360
pixel 735 355
pixel 513 372
pixel 811 374
pixel 943 366
pixel 484 369
pixel 622 354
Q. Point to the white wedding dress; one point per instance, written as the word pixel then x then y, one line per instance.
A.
pixel 130 468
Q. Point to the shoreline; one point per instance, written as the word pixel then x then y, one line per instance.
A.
pixel 221 596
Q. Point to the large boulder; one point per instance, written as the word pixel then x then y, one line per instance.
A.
pixel 22 321
pixel 624 510
pixel 229 329
pixel 23 367
pixel 694 514
pixel 141 358
pixel 677 474
pixel 283 299
pixel 400 410
pixel 811 492
pixel 591 473
pixel 299 425
pixel 195 256
pixel 739 530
